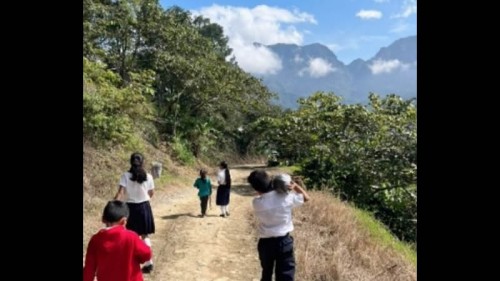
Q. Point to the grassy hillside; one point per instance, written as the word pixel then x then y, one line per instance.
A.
pixel 335 242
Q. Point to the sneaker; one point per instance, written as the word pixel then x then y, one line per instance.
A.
pixel 227 214
pixel 223 215
pixel 147 268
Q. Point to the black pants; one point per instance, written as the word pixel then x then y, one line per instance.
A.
pixel 203 204
pixel 277 250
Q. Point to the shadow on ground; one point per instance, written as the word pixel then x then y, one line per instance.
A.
pixel 243 189
pixel 175 216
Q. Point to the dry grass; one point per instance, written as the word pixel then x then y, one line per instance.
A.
pixel 331 244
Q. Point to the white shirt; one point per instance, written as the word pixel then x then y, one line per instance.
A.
pixel 274 212
pixel 137 192
pixel 221 177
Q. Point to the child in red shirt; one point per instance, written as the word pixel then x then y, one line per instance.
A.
pixel 115 253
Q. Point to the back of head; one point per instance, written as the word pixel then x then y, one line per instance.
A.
pixel 223 165
pixel 114 211
pixel 260 181
pixel 137 167
pixel 281 183
pixel 203 174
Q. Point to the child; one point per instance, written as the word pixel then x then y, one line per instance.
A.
pixel 224 190
pixel 273 210
pixel 205 190
pixel 137 186
pixel 115 253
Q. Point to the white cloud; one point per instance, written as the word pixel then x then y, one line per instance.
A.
pixel 318 67
pixel 256 59
pixel 369 14
pixel 409 8
pixel 262 24
pixel 297 58
pixel 381 66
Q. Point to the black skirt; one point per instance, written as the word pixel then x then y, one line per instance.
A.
pixel 222 198
pixel 141 218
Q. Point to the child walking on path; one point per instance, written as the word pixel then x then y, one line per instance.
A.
pixel 137 186
pixel 204 187
pixel 224 189
pixel 115 253
pixel 273 209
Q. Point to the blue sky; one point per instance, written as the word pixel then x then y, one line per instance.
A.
pixel 350 28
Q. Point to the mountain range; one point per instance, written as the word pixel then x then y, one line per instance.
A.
pixel 310 68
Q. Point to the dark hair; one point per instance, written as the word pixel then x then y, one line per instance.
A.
pixel 227 175
pixel 203 175
pixel 114 211
pixel 260 181
pixel 137 168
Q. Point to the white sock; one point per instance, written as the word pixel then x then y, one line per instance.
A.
pixel 148 242
pixel 222 208
pixel 227 208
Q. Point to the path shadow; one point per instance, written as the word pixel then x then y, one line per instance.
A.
pixel 244 190
pixel 175 216
pixel 248 167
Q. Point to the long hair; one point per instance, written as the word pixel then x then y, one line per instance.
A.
pixel 137 168
pixel 223 164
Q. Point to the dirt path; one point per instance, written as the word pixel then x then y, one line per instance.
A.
pixel 189 248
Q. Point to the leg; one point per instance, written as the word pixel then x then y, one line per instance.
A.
pixel 267 256
pixel 148 266
pixel 285 261
pixel 204 201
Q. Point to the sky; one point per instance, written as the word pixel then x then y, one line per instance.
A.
pixel 352 29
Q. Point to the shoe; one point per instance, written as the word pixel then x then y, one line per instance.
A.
pixel 223 215
pixel 227 214
pixel 147 268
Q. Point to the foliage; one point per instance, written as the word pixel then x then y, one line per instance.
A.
pixel 365 154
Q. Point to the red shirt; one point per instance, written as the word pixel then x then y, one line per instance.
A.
pixel 115 254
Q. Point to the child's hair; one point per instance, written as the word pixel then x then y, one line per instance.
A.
pixel 281 182
pixel 137 168
pixel 203 175
pixel 114 211
pixel 260 181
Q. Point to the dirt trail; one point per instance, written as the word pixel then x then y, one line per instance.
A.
pixel 189 248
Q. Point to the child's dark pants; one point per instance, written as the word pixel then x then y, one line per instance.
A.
pixel 204 200
pixel 279 250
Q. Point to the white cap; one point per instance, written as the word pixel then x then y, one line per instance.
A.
pixel 285 178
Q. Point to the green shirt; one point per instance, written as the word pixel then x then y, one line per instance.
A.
pixel 204 187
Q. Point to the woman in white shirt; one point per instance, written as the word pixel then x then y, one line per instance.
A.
pixel 137 186
pixel 223 191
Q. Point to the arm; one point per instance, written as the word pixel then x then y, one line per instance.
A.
pixel 151 186
pixel 120 194
pixel 90 266
pixel 297 188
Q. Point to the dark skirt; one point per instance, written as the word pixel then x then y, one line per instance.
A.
pixel 222 198
pixel 141 218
